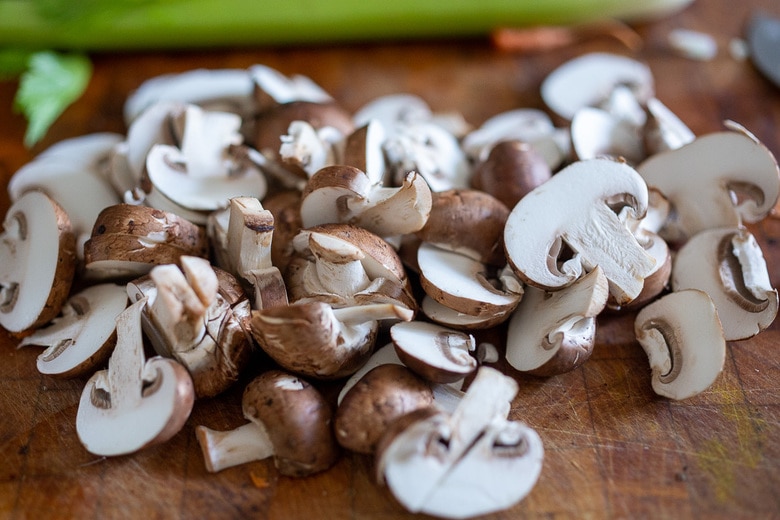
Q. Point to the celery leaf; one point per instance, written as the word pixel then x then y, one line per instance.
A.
pixel 50 84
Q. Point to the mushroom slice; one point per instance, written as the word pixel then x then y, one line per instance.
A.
pixel 274 88
pixel 589 79
pixel 196 315
pixel 683 339
pixel 392 110
pixel 221 89
pixel 463 284
pixel 576 221
pixel 37 262
pixel 83 336
pixel 598 133
pixel 383 394
pixel 553 333
pixel 344 194
pixel 467 221
pixel 308 148
pixel 436 353
pixel 363 150
pixel 315 340
pixel 722 179
pixel 427 459
pixel 135 402
pixel 289 420
pixel 728 264
pixel 431 151
pixel 663 130
pixel 448 317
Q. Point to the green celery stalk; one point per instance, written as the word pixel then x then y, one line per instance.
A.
pixel 155 24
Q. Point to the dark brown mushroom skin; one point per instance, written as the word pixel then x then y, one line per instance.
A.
pixel 512 169
pixel 383 394
pixel 572 353
pixel 298 422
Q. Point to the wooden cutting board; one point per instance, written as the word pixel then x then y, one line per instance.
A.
pixel 613 449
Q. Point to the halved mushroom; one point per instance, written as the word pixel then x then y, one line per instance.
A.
pixel 197 315
pixel 135 402
pixel 436 353
pixel 37 262
pixel 289 420
pixel 379 397
pixel 683 339
pixel 316 340
pixel 512 169
pixel 554 332
pixel 472 462
pixel 589 79
pixel 576 221
pixel 728 264
pixel 82 338
pixel 722 179
pixel 345 194
pixel 468 221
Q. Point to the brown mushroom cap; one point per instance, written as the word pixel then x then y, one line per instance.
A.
pixel 297 419
pixel 512 169
pixel 382 395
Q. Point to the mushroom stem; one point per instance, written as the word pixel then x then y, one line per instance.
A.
pixel 374 312
pixel 225 449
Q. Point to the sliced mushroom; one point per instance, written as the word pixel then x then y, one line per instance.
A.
pixel 37 262
pixel 309 149
pixel 363 150
pixel 470 463
pixel 554 332
pixel 683 339
pixel 316 340
pixel 393 110
pixel 576 221
pixel 436 353
pixel 728 264
pixel 135 402
pixel 289 421
pixel 381 396
pixel 598 133
pixel 722 179
pixel 663 129
pixel 589 79
pixel 274 88
pixel 467 221
pixel 82 338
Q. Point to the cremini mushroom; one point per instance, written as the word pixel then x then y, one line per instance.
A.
pixel 37 262
pixel 554 332
pixel 683 339
pixel 576 221
pixel 382 395
pixel 135 402
pixel 728 264
pixel 472 462
pixel 289 420
pixel 437 353
pixel 721 179
pixel 83 336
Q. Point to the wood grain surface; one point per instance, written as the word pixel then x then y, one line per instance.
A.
pixel 613 448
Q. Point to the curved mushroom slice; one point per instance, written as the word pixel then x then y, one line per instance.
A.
pixel 527 125
pixel 197 316
pixel 309 149
pixel 427 459
pixel 582 209
pixel 721 179
pixel 448 317
pixel 470 222
pixel 431 151
pixel 134 403
pixel 392 110
pixel 683 339
pixel 553 333
pixel 728 265
pixel 589 79
pixel 318 341
pixel 663 130
pixel 511 170
pixel 437 353
pixel 37 262
pixel 83 336
pixel 228 90
pixel 289 420
pixel 274 88
pixel 363 150
pixel 597 133
pixel 382 395
pixel 462 284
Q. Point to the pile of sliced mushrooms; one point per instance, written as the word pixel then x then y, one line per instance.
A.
pixel 246 210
